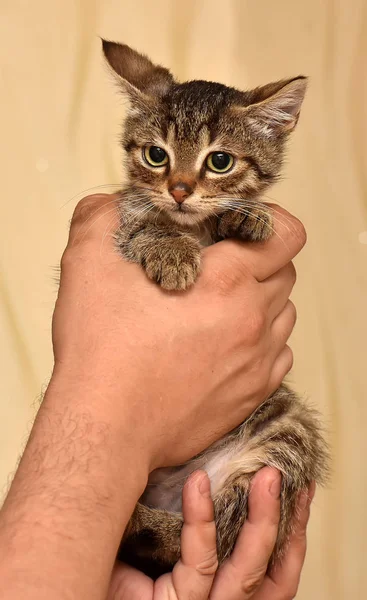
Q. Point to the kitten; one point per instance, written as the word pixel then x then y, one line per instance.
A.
pixel 199 155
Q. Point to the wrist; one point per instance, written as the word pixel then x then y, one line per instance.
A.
pixel 122 401
pixel 111 400
pixel 101 423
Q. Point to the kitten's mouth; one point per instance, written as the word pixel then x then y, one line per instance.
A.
pixel 184 214
pixel 184 209
pixel 181 213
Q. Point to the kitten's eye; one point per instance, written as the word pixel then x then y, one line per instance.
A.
pixel 219 162
pixel 155 156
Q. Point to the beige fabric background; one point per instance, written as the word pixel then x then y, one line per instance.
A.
pixel 59 123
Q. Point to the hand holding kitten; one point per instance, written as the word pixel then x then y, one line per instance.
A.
pixel 245 575
pixel 126 338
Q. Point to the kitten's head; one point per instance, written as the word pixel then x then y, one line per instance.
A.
pixel 197 148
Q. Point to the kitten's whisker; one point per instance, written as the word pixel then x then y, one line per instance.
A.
pixel 148 189
pixel 157 215
pixel 135 199
pixel 138 214
pixel 89 228
pixel 103 185
pixel 274 201
pixel 283 217
pixel 100 208
pixel 107 231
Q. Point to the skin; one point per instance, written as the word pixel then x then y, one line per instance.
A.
pixel 244 575
pixel 115 408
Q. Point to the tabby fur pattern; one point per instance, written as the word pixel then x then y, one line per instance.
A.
pixel 169 212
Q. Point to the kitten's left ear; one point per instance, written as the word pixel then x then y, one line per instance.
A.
pixel 275 108
pixel 136 73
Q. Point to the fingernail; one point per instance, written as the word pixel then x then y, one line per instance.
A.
pixel 204 486
pixel 274 487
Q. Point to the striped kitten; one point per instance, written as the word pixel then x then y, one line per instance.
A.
pixel 199 155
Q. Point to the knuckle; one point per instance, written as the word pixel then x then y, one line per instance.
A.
pixel 289 594
pixel 229 270
pixel 222 280
pixel 251 583
pixel 85 208
pixel 255 325
pixel 67 259
pixel 293 311
pixel 301 533
pixel 289 358
pixel 292 273
pixel 75 258
pixel 209 566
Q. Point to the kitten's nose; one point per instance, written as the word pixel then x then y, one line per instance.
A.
pixel 180 191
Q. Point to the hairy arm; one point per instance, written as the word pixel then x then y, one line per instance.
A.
pixel 73 494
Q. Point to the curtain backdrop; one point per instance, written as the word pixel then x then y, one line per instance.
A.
pixel 59 123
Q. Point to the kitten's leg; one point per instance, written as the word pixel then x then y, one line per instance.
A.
pixel 256 226
pixel 152 540
pixel 171 258
pixel 284 433
pixel 231 510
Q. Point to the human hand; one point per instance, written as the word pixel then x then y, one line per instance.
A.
pixel 244 575
pixel 199 361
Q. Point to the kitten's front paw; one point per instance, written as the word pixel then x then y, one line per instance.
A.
pixel 257 226
pixel 173 263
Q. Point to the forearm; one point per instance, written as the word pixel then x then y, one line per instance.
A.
pixel 72 496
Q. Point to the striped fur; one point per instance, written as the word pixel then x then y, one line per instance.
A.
pixel 283 433
pixel 189 121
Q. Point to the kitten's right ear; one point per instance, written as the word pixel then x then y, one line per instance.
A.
pixel 138 76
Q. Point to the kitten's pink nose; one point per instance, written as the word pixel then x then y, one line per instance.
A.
pixel 180 192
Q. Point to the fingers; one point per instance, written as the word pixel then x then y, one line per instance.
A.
pixel 93 215
pixel 280 355
pixel 259 260
pixel 277 289
pixel 241 575
pixel 283 364
pixel 128 583
pixel 193 575
pixel 282 327
pixel 287 241
pixel 283 580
